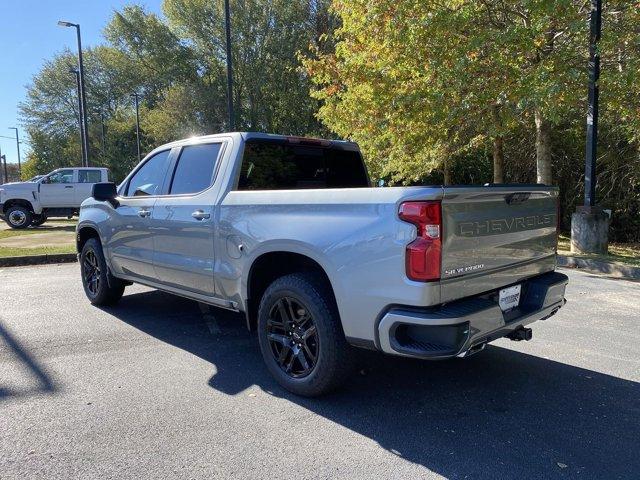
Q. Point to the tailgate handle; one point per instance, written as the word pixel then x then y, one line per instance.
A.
pixel 517 198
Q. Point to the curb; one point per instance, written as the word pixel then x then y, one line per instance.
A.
pixel 38 259
pixel 598 266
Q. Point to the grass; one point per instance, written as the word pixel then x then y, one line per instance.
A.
pixel 626 253
pixel 31 231
pixel 21 252
pixel 56 226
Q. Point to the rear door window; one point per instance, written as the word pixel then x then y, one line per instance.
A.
pixel 89 176
pixel 195 169
pixel 63 176
pixel 268 165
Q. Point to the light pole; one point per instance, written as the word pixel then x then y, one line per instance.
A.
pixel 227 24
pixel 82 135
pixel 17 148
pixel 83 100
pixel 135 97
pixel 590 223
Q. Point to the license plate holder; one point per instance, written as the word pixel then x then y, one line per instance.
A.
pixel 509 298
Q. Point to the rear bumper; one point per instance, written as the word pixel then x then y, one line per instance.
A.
pixel 463 326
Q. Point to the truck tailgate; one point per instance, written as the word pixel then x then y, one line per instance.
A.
pixel 495 236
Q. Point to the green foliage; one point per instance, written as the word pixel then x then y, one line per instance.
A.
pixel 178 68
pixel 426 88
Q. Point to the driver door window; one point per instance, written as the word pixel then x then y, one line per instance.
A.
pixel 63 176
pixel 149 178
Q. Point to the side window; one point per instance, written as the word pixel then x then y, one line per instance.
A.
pixel 195 168
pixel 281 166
pixel 148 179
pixel 63 176
pixel 89 176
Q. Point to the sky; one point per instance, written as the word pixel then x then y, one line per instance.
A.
pixel 30 35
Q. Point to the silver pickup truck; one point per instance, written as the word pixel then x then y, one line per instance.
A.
pixel 289 231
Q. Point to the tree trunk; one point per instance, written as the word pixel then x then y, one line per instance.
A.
pixel 447 169
pixel 498 159
pixel 498 147
pixel 543 148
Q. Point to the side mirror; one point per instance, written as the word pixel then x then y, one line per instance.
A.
pixel 105 192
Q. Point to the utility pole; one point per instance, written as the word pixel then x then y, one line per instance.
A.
pixel 18 149
pixel 227 17
pixel 83 97
pixel 590 223
pixel 82 135
pixel 3 158
pixel 135 96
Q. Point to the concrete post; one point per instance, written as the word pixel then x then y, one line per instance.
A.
pixel 590 230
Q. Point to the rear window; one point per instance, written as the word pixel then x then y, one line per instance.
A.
pixel 280 166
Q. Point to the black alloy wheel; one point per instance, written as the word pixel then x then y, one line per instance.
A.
pixel 293 337
pixel 91 272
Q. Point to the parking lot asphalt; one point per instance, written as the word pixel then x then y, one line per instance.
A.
pixel 155 388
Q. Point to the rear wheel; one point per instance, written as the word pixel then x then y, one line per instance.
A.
pixel 99 286
pixel 18 217
pixel 301 337
pixel 38 220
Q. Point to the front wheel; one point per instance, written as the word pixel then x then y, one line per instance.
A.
pixel 301 337
pixel 100 289
pixel 18 217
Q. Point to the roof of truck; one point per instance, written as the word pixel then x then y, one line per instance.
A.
pixel 266 136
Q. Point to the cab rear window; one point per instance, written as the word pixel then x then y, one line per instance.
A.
pixel 279 165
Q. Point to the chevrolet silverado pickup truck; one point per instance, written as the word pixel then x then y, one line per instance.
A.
pixel 289 231
pixel 57 194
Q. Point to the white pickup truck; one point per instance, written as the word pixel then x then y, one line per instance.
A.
pixel 58 194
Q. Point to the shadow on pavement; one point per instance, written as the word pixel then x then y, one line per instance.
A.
pixel 499 414
pixel 44 383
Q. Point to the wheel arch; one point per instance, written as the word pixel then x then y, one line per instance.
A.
pixel 84 234
pixel 19 202
pixel 272 265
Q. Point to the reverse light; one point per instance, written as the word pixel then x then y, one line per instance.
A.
pixel 423 255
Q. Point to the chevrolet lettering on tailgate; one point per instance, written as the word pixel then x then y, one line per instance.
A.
pixel 505 225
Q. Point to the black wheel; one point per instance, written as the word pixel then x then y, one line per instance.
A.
pixel 38 220
pixel 301 337
pixel 99 289
pixel 18 217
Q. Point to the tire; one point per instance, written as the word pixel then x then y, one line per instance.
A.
pixel 18 217
pixel 328 356
pixel 100 287
pixel 38 220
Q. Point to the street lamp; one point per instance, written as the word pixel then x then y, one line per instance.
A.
pixel 83 101
pixel 18 148
pixel 227 24
pixel 135 97
pixel 76 72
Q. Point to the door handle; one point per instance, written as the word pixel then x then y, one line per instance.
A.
pixel 69 186
pixel 200 215
pixel 143 212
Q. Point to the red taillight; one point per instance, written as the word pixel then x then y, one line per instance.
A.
pixel 423 255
